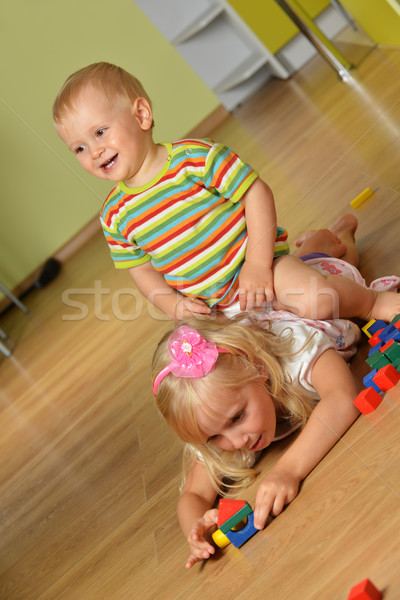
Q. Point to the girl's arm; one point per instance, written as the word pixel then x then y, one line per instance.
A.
pixel 255 277
pixel 152 285
pixel 196 518
pixel 332 416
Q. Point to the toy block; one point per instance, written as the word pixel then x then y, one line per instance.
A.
pixel 374 340
pixel 375 348
pixel 386 378
pixel 368 380
pixel 386 345
pixel 362 197
pixel 239 537
pixel 236 519
pixel 373 326
pixel 365 590
pixel 390 333
pixel 366 327
pixel 367 400
pixel 391 350
pixel 395 320
pixel 227 508
pixel 377 360
pixel 220 539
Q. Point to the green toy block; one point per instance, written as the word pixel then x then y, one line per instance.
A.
pixel 377 360
pixel 395 319
pixel 236 518
pixel 391 351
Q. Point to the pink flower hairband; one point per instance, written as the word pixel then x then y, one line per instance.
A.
pixel 191 355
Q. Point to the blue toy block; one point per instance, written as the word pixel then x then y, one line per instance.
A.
pixel 240 536
pixel 375 326
pixel 375 348
pixel 368 380
pixel 390 333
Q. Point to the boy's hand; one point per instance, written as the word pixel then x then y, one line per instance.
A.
pixel 256 285
pixel 189 307
pixel 199 535
pixel 277 489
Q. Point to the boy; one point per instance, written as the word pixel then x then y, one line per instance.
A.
pixel 195 226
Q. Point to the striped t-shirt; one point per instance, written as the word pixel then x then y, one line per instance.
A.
pixel 187 221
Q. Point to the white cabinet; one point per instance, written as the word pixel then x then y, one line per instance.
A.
pixel 217 44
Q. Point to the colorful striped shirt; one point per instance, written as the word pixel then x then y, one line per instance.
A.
pixel 187 221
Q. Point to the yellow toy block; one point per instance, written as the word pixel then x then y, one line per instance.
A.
pixel 367 326
pixel 361 197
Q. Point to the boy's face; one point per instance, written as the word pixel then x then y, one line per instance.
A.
pixel 109 139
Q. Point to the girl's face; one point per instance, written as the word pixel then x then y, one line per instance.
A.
pixel 243 418
pixel 108 139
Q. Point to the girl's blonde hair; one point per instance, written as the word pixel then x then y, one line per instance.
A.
pixel 254 354
pixel 113 81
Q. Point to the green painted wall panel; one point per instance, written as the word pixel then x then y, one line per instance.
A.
pixel 46 197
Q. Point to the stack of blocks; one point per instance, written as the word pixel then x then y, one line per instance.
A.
pixel 384 360
pixel 231 515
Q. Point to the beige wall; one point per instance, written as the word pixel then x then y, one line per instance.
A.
pixel 46 197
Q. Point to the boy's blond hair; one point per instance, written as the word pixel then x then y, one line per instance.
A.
pixel 112 80
pixel 254 354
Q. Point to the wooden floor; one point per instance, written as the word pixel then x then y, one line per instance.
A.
pixel 89 473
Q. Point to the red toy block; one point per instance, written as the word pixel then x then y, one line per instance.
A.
pixel 386 346
pixel 365 590
pixel 367 400
pixel 375 339
pixel 228 507
pixel 386 378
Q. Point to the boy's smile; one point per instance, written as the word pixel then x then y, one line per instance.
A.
pixel 112 140
pixel 239 419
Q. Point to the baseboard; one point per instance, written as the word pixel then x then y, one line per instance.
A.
pixel 63 254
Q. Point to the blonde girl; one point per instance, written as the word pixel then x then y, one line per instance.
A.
pixel 229 389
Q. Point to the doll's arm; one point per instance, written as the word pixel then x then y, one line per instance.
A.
pixel 332 416
pixel 197 520
pixel 153 286
pixel 255 277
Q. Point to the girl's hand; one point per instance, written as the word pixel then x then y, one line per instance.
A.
pixel 199 537
pixel 277 489
pixel 189 307
pixel 255 285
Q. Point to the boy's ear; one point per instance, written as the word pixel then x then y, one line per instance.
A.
pixel 143 113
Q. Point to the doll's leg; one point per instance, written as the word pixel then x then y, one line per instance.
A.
pixel 337 241
pixel 306 292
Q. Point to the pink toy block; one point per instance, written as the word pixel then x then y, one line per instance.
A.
pixel 367 400
pixel 386 378
pixel 365 590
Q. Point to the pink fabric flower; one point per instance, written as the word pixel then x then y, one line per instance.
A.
pixel 191 355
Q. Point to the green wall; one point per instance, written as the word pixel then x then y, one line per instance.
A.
pixel 46 197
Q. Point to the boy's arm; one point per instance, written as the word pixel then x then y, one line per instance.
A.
pixel 152 285
pixel 196 518
pixel 331 417
pixel 255 277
